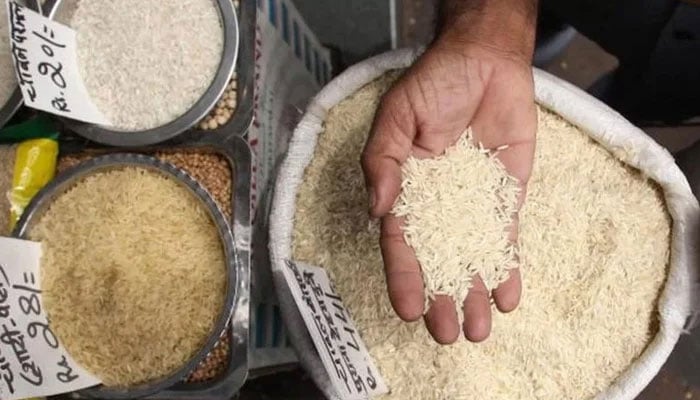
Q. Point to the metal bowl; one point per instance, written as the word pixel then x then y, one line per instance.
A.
pixel 15 101
pixel 42 201
pixel 115 137
pixel 11 106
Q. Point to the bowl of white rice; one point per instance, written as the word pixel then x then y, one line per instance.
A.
pixel 153 68
pixel 10 94
pixel 138 271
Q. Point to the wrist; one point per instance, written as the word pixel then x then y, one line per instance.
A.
pixel 503 26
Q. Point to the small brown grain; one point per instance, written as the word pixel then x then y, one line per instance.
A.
pixel 215 363
pixel 67 162
pixel 211 170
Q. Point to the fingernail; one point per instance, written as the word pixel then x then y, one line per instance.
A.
pixel 372 199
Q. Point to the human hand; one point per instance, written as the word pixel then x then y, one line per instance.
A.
pixel 459 82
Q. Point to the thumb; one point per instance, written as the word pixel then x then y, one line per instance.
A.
pixel 387 148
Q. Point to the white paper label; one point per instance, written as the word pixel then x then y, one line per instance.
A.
pixel 32 362
pixel 334 334
pixel 45 58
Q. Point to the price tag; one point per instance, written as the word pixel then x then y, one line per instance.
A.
pixel 46 64
pixel 32 361
pixel 344 354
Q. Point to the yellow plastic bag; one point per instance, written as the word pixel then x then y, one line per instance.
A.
pixel 29 151
pixel 35 166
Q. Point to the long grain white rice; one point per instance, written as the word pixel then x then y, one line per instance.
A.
pixel 133 274
pixel 594 243
pixel 457 209
pixel 145 63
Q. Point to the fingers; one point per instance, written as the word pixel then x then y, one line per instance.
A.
pixel 388 146
pixel 405 286
pixel 477 312
pixel 441 320
pixel 403 276
pixel 512 123
pixel 507 294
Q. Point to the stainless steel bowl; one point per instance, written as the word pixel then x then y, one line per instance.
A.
pixel 9 109
pixel 114 137
pixel 42 201
pixel 15 101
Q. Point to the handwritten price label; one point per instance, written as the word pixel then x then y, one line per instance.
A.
pixel 32 361
pixel 344 354
pixel 46 65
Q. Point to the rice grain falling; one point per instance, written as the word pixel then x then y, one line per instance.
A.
pixel 145 63
pixel 467 194
pixel 133 274
pixel 594 248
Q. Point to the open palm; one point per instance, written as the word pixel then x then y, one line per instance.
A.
pixel 446 91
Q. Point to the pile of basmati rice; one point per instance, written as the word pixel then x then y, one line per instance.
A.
pixel 145 63
pixel 8 79
pixel 133 274
pixel 594 248
pixel 443 194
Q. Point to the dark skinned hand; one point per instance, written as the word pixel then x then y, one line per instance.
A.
pixel 468 77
